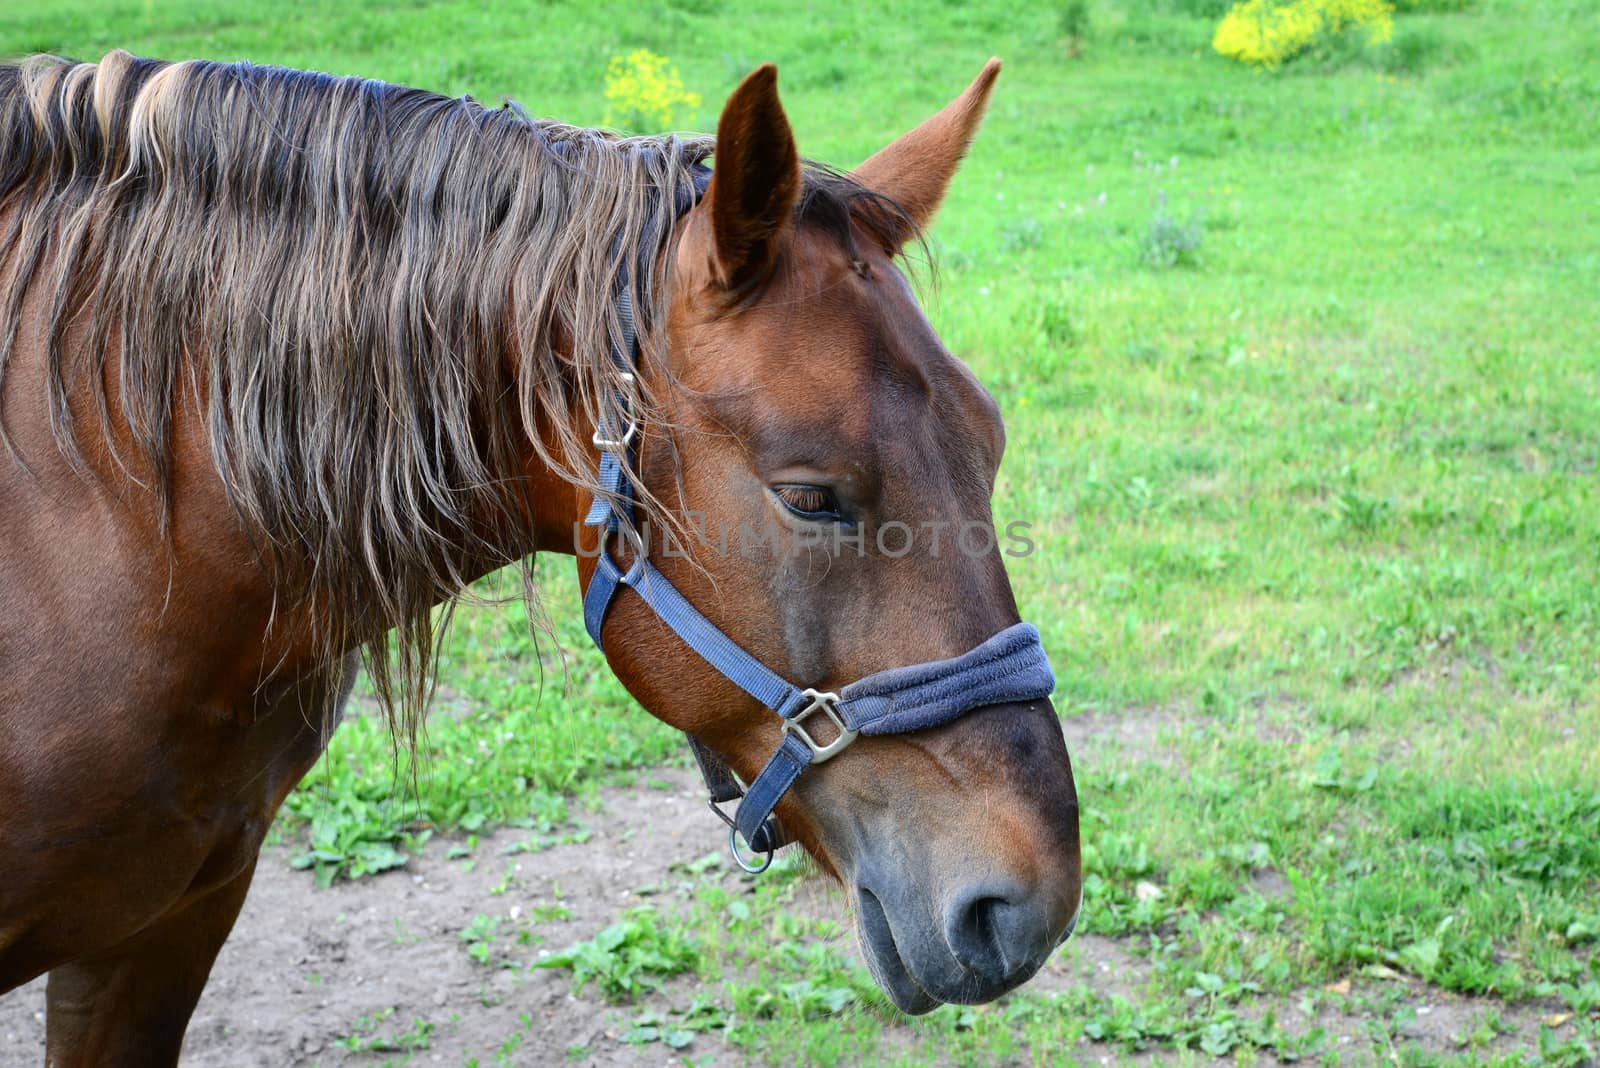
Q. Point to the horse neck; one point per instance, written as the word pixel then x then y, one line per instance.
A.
pixel 551 507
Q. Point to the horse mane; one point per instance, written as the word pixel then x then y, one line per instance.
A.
pixel 379 297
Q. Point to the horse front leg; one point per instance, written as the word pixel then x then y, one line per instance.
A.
pixel 130 1006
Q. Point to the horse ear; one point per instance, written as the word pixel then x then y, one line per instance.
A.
pixel 915 170
pixel 756 181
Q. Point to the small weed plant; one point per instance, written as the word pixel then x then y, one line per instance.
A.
pixel 628 958
pixel 1074 20
pixel 1169 241
pixel 369 1035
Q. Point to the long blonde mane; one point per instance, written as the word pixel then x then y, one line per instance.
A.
pixel 381 298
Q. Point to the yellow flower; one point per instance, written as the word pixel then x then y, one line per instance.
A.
pixel 642 91
pixel 1267 32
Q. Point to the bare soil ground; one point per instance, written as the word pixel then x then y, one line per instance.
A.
pixel 307 968
pixel 304 966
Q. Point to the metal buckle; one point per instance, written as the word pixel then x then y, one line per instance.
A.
pixel 617 443
pixel 828 705
pixel 603 442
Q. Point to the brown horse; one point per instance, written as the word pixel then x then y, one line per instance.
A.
pixel 287 361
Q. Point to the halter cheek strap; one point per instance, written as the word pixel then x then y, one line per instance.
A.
pixel 1010 667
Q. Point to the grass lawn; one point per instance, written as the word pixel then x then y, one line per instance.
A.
pixel 1316 506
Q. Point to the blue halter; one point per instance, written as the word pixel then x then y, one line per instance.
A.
pixel 1009 667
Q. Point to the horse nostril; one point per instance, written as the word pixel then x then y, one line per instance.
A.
pixel 994 932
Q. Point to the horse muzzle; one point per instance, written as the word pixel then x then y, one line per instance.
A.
pixel 968 946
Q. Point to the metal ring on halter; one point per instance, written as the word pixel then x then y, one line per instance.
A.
pixel 738 857
pixel 733 842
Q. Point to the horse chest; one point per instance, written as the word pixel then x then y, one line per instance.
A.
pixel 115 815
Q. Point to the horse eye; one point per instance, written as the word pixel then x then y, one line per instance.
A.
pixel 810 502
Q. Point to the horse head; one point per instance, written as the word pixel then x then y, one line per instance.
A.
pixel 834 463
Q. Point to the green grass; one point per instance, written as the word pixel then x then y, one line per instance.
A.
pixel 367 1035
pixel 1318 494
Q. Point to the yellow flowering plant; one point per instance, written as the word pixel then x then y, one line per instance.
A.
pixel 1265 33
pixel 643 92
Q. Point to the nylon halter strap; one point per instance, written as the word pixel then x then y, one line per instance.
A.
pixel 1009 667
